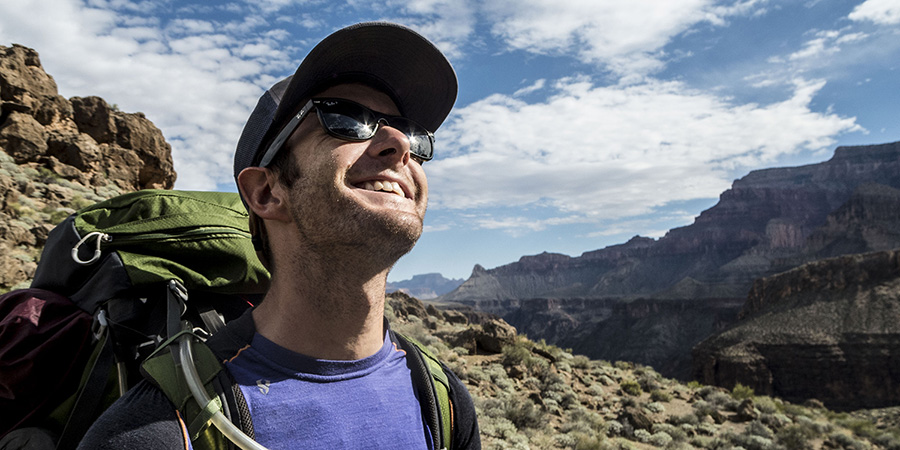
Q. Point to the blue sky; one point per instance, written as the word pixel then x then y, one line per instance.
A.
pixel 579 123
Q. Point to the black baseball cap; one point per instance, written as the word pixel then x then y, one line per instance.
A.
pixel 391 57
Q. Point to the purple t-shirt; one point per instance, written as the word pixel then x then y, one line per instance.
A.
pixel 301 402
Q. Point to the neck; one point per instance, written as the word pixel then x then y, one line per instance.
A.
pixel 325 308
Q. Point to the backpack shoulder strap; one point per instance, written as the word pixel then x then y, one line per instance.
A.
pixel 433 387
pixel 160 370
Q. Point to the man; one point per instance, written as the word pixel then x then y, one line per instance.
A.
pixel 337 193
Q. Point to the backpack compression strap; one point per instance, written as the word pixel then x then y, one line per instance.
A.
pixel 433 388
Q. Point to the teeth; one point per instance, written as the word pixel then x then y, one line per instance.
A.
pixel 386 186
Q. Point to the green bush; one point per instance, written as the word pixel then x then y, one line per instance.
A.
pixel 795 437
pixel 658 395
pixel 840 440
pixel 523 413
pixel 741 392
pixel 631 387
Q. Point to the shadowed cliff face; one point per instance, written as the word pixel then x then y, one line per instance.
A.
pixel 828 330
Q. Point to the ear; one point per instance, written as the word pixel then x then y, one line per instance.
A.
pixel 266 198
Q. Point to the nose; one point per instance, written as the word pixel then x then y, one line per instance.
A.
pixel 390 144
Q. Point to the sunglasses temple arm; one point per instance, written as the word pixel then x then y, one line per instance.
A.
pixel 284 135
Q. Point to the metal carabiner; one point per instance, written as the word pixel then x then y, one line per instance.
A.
pixel 101 237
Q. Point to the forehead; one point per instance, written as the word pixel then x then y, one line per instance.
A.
pixel 363 94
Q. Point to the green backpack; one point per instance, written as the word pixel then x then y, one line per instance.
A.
pixel 130 262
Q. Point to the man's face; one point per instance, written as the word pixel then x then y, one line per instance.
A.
pixel 336 200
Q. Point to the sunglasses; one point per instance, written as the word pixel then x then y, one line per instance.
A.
pixel 351 121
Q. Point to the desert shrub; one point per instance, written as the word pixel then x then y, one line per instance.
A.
pixel 588 442
pixel 694 385
pixel 757 428
pixel 623 365
pixel 569 399
pixel 795 410
pixel 649 380
pixel 631 387
pixel 689 419
pixel 840 440
pixel 704 408
pixel 707 428
pixel 617 444
pixel 861 427
pixel 523 413
pixel 775 421
pixel 517 353
pixel 701 441
pixel 795 437
pixel 642 436
pixel 765 405
pixel 581 362
pixel 500 433
pixel 741 392
pixel 655 407
pixel 584 420
pixel 658 395
pixel 660 439
pixel 722 401
pixel 818 428
pixel 676 433
pixel 752 442
pixel 614 428
pixel 679 445
pixel 888 441
pixel 706 391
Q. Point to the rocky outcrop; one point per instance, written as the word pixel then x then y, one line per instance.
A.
pixel 828 330
pixel 84 140
pixel 769 221
pixel 58 155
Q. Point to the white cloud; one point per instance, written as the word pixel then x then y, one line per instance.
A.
pixel 193 81
pixel 625 37
pixel 881 12
pixel 613 152
pixel 447 23
pixel 534 87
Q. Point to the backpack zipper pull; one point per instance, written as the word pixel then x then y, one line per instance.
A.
pixel 101 237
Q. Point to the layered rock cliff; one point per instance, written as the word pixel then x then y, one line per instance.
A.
pixel 58 155
pixel 769 221
pixel 692 281
pixel 828 330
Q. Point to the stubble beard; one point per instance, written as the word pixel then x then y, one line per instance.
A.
pixel 344 232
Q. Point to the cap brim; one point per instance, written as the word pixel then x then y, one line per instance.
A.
pixel 416 74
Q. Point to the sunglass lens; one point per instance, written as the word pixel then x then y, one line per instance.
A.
pixel 351 121
pixel 349 124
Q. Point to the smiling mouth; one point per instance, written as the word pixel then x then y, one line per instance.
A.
pixel 390 187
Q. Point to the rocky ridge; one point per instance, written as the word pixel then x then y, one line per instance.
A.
pixel 828 330
pixel 769 221
pixel 58 155
pixel 425 286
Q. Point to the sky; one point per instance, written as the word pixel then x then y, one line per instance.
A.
pixel 579 123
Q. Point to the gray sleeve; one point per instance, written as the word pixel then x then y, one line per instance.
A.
pixel 143 419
